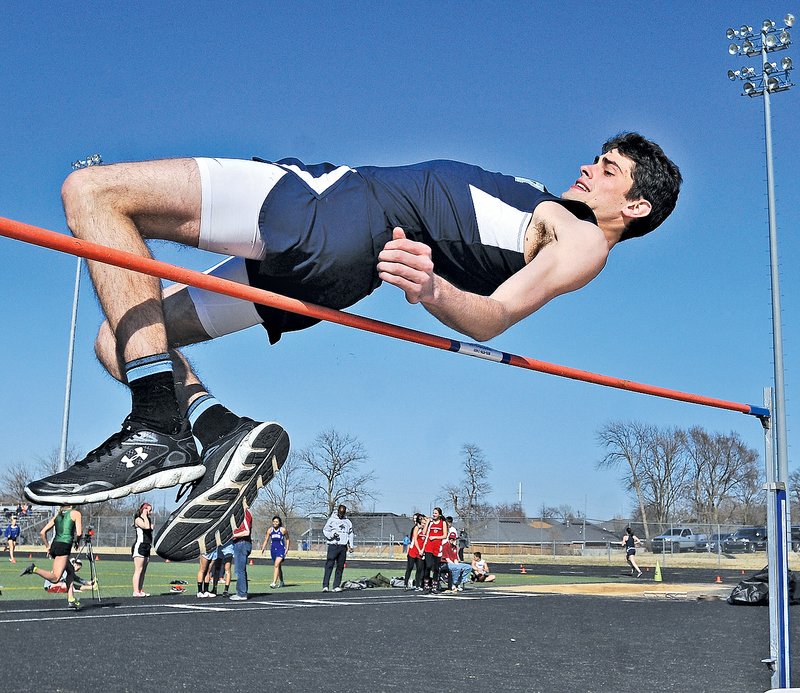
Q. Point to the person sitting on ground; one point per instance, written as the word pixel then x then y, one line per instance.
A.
pixel 479 250
pixel 74 565
pixel 480 569
pixel 458 572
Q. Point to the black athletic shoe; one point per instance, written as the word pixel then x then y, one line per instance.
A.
pixel 28 570
pixel 135 460
pixel 237 466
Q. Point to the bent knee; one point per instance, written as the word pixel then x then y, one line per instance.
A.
pixel 80 193
pixel 105 348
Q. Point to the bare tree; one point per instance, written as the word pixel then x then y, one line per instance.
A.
pixel 15 478
pixel 468 497
pixel 509 510
pixel 628 446
pixel 287 494
pixel 333 463
pixel 794 490
pixel 721 465
pixel 13 481
pixel 664 474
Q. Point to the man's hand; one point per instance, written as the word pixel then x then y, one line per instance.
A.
pixel 407 265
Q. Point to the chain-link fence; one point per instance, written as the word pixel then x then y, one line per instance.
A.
pixel 386 535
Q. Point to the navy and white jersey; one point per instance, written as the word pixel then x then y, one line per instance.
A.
pixel 276 540
pixel 324 225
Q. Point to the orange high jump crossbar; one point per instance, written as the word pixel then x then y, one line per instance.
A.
pixel 163 270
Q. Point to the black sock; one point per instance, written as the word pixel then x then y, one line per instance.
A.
pixel 210 420
pixel 199 588
pixel 153 400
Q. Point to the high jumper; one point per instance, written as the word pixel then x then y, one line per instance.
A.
pixel 479 250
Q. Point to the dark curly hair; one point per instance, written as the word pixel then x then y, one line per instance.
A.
pixel 655 178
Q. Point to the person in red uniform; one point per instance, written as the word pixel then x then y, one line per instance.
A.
pixel 435 534
pixel 414 556
pixel 242 546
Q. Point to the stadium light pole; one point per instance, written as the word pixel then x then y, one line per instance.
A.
pixel 770 78
pixel 92 160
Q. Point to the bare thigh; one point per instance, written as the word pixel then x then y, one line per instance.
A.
pixel 162 197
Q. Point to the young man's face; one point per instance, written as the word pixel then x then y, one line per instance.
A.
pixel 603 185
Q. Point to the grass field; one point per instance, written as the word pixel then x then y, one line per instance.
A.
pixel 114 578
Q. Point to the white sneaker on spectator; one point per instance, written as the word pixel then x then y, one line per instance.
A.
pixel 337 589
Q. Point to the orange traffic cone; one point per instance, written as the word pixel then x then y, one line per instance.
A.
pixel 30 555
pixel 719 579
pixel 251 562
pixel 522 569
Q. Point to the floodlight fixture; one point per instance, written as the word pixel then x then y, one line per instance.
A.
pixel 788 20
pixel 786 64
pixel 767 24
pixel 731 34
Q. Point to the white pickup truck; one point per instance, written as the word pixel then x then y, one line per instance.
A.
pixel 676 540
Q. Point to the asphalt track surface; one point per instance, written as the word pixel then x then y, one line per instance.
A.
pixel 387 640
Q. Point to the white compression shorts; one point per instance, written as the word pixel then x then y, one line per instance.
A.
pixel 233 191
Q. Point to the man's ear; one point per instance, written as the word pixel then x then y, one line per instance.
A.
pixel 636 209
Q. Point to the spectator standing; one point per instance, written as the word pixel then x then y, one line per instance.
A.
pixel 222 567
pixel 140 551
pixel 242 547
pixel 12 534
pixel 338 530
pixel 406 543
pixel 206 561
pixel 463 544
pixel 413 555
pixel 435 535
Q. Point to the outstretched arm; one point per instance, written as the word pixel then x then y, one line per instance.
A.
pixel 568 263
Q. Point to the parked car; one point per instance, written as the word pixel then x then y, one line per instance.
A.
pixel 746 540
pixel 676 540
pixel 713 543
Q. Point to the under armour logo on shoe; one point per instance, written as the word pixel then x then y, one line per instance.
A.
pixel 140 455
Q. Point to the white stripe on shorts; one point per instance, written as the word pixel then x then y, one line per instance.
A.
pixel 233 191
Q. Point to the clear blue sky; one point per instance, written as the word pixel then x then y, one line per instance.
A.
pixel 529 89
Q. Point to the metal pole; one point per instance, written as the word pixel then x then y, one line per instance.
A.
pixel 62 457
pixel 92 160
pixel 779 662
pixel 779 410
